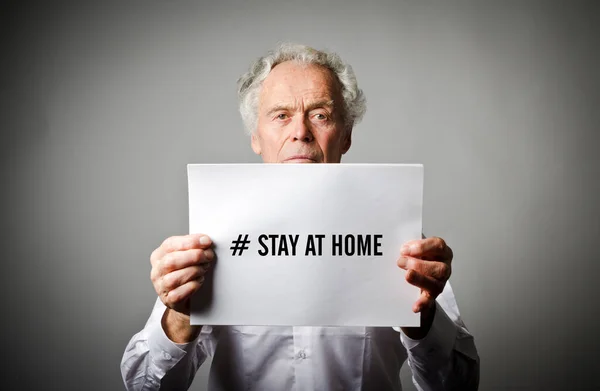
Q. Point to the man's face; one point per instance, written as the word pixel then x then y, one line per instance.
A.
pixel 300 116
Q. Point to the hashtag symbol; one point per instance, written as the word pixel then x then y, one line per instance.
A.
pixel 240 245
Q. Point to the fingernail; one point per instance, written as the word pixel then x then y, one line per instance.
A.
pixel 209 254
pixel 404 249
pixel 204 240
pixel 402 261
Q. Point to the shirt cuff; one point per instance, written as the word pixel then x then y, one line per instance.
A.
pixel 440 339
pixel 165 353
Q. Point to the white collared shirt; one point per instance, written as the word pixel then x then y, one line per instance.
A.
pixel 306 358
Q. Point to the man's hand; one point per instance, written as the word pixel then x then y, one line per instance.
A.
pixel 428 266
pixel 178 269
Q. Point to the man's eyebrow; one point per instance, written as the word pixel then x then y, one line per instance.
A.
pixel 319 104
pixel 310 106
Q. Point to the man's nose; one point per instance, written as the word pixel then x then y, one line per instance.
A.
pixel 301 131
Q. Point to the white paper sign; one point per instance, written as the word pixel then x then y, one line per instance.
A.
pixel 306 244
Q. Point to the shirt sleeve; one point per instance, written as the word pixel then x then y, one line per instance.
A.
pixel 446 359
pixel 152 361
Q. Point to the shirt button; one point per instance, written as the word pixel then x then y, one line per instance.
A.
pixel 167 356
pixel 301 355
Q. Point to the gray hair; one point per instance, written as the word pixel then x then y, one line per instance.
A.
pixel 249 84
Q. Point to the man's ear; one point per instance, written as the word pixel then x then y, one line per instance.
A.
pixel 255 143
pixel 347 141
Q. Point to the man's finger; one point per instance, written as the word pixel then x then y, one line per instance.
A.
pixel 183 292
pixel 182 259
pixel 431 285
pixel 438 270
pixel 431 247
pixel 425 300
pixel 179 277
pixel 180 243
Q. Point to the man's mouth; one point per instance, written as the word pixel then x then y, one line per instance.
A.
pixel 300 159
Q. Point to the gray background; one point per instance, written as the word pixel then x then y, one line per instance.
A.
pixel 102 106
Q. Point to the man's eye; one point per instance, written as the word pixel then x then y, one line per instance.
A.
pixel 282 116
pixel 321 117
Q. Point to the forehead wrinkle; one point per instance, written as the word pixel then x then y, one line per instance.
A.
pixel 308 107
pixel 290 85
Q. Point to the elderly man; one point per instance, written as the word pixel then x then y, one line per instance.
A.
pixel 299 106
